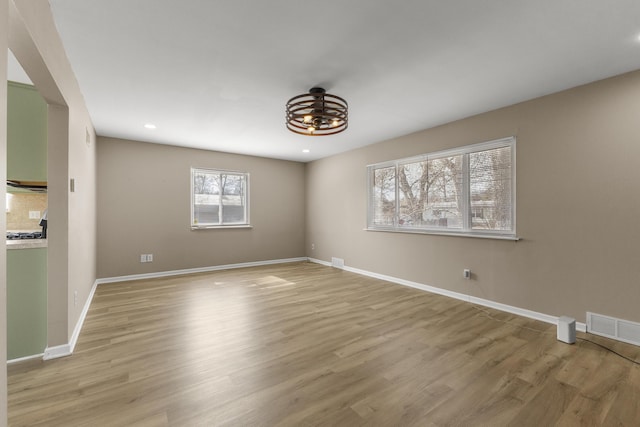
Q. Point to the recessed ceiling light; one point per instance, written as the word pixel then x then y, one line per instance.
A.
pixel 150 126
pixel 306 150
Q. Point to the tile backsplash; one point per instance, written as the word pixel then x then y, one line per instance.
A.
pixel 19 205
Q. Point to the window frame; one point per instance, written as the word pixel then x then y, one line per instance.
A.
pixel 467 229
pixel 203 226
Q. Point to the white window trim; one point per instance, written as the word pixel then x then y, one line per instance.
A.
pixel 246 224
pixel 466 231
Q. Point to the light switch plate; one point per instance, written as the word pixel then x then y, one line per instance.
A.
pixel 34 214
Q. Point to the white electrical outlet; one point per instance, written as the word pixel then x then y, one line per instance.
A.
pixel 143 258
pixel 149 257
pixel 466 273
pixel 313 246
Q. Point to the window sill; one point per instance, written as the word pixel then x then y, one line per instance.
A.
pixel 447 233
pixel 219 227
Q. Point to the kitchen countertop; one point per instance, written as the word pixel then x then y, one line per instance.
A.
pixel 27 244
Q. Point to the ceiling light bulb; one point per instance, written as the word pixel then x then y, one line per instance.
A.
pixel 307 119
pixel 335 123
pixel 150 126
pixel 306 150
pixel 311 129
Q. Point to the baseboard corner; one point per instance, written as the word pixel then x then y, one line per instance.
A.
pixel 57 351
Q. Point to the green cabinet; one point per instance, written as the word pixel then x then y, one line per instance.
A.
pixel 26 302
pixel 26 134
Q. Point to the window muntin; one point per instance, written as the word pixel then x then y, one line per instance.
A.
pixel 219 198
pixel 468 190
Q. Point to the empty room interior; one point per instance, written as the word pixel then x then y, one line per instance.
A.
pixel 247 213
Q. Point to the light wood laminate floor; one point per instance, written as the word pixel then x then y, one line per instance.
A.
pixel 303 345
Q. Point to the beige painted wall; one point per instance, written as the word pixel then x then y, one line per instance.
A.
pixel 144 208
pixel 578 207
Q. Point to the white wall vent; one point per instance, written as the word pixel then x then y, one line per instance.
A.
pixel 337 262
pixel 610 327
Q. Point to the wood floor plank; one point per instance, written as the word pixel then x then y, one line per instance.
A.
pixel 302 344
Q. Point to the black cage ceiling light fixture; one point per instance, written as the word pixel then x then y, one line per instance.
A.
pixel 317 113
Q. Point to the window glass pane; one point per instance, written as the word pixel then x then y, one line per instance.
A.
pixel 412 182
pixel 444 203
pixel 233 205
pixel 490 189
pixel 384 195
pixel 206 198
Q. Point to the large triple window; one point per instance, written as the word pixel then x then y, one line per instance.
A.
pixel 468 191
pixel 219 198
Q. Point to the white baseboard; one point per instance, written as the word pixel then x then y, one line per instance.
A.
pixel 83 314
pixel 67 349
pixel 196 270
pixel 319 261
pixel 57 351
pixel 582 327
pixel 22 359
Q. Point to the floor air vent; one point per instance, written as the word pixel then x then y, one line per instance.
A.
pixel 610 327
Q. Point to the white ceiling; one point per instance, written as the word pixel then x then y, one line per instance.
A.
pixel 216 74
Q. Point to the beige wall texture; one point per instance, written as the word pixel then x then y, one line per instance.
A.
pixel 33 38
pixel 144 208
pixel 578 207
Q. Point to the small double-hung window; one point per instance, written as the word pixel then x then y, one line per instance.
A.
pixel 466 191
pixel 219 198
